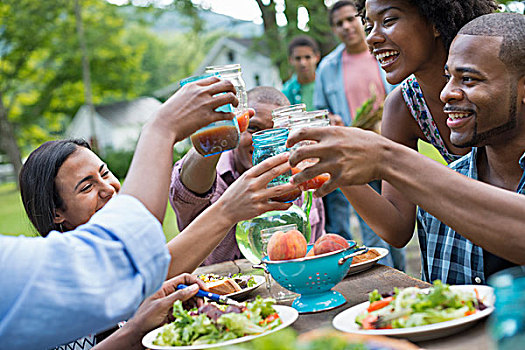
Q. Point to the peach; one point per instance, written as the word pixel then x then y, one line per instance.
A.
pixel 328 243
pixel 286 245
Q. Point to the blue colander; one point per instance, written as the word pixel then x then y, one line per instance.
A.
pixel 314 278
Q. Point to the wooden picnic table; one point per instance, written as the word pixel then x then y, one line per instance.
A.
pixel 355 289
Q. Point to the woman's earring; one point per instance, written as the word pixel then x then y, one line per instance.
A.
pixel 61 228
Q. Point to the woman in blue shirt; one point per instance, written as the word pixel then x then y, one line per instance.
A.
pixel 58 288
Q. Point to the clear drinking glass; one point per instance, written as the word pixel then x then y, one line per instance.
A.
pixel 281 115
pixel 219 136
pixel 269 143
pixel 233 73
pixel 299 121
pixel 278 293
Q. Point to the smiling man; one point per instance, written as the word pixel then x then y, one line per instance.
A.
pixel 198 182
pixel 467 229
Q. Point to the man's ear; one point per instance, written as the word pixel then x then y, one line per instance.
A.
pixel 317 58
pixel 59 218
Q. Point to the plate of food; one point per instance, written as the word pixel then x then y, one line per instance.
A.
pixel 367 260
pixel 214 325
pixel 419 314
pixel 235 286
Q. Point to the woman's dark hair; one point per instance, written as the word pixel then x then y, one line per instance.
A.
pixel 447 16
pixel 37 182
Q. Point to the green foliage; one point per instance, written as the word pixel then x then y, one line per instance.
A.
pixel 118 161
pixel 13 218
pixel 277 38
pixel 14 221
pixel 41 63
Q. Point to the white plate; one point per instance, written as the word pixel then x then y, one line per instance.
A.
pixel 259 280
pixel 287 314
pixel 365 265
pixel 345 321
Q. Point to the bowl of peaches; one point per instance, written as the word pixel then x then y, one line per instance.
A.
pixel 311 270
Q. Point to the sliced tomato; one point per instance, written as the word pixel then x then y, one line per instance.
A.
pixel 369 322
pixel 376 305
pixel 470 312
pixel 270 318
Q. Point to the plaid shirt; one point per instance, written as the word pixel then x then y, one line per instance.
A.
pixel 445 254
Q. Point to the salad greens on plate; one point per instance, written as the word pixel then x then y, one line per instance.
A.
pixel 411 307
pixel 214 323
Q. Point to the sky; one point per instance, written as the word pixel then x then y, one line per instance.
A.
pixel 241 9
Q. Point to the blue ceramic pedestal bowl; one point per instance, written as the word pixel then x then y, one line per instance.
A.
pixel 314 277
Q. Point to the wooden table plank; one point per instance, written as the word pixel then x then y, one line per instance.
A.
pixel 355 289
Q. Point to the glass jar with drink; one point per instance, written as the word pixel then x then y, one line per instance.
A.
pixel 219 136
pixel 299 121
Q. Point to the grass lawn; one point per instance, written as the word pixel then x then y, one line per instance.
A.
pixel 13 220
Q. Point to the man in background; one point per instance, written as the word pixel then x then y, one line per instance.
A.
pixel 303 55
pixel 345 79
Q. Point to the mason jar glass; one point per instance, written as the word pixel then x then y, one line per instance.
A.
pixel 219 136
pixel 299 121
pixel 269 143
pixel 281 115
pixel 233 73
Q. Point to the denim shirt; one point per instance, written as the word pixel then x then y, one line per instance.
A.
pixel 445 254
pixel 329 92
pixel 66 285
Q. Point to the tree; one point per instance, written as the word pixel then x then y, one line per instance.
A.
pixel 40 67
pixel 277 38
pixel 20 37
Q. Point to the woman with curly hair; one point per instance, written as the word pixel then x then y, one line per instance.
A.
pixel 410 39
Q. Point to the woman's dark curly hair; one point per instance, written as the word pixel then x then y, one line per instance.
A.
pixel 448 16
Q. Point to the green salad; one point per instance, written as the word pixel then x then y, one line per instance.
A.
pixel 411 307
pixel 214 323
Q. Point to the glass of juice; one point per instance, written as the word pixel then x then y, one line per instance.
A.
pixel 311 119
pixel 219 136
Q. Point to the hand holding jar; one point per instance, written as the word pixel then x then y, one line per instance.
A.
pixel 194 107
pixel 249 195
pixel 351 156
pixel 221 135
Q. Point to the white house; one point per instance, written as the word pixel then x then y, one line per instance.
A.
pixel 117 125
pixel 257 68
